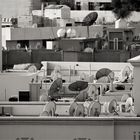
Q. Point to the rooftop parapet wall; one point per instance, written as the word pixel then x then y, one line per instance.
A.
pixel 70 128
pixel 50 32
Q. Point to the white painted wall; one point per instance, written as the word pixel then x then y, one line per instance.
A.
pixel 12 83
pixel 6 35
pixel 89 68
pixel 108 15
pixel 57 13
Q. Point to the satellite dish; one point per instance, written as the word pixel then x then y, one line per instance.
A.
pixel 61 32
pixel 128 105
pixel 93 92
pixel 88 50
pixel 34 25
pixel 13 98
pixel 78 86
pixel 102 72
pixel 124 97
pixel 72 108
pixel 71 32
pixel 32 68
pixel 43 97
pixel 55 88
pixel 38 45
pixel 125 73
pixel 111 75
pixel 90 19
pixel 49 109
pixel 81 97
pixel 94 109
pixel 18 46
pixel 79 111
pixel 112 106
pixel 56 73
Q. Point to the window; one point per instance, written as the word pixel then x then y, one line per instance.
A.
pixel 91 6
pixel 78 5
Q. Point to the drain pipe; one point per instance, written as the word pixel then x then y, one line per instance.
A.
pixel 136 83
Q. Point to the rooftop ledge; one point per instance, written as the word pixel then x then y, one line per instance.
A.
pixel 70 120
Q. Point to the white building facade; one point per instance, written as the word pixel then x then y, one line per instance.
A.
pixel 92 4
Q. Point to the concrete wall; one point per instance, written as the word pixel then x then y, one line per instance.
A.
pixel 36 56
pixel 6 35
pixel 70 45
pixel 58 13
pixel 11 84
pixel 107 56
pixel 64 22
pixel 77 56
pixel 18 57
pixel 65 129
pixel 16 8
pixel 86 67
pixel 71 128
pixel 25 21
pixel 111 56
pixel 34 43
pixel 21 9
pixel 108 15
pixel 44 55
pixel 11 45
pixel 51 32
